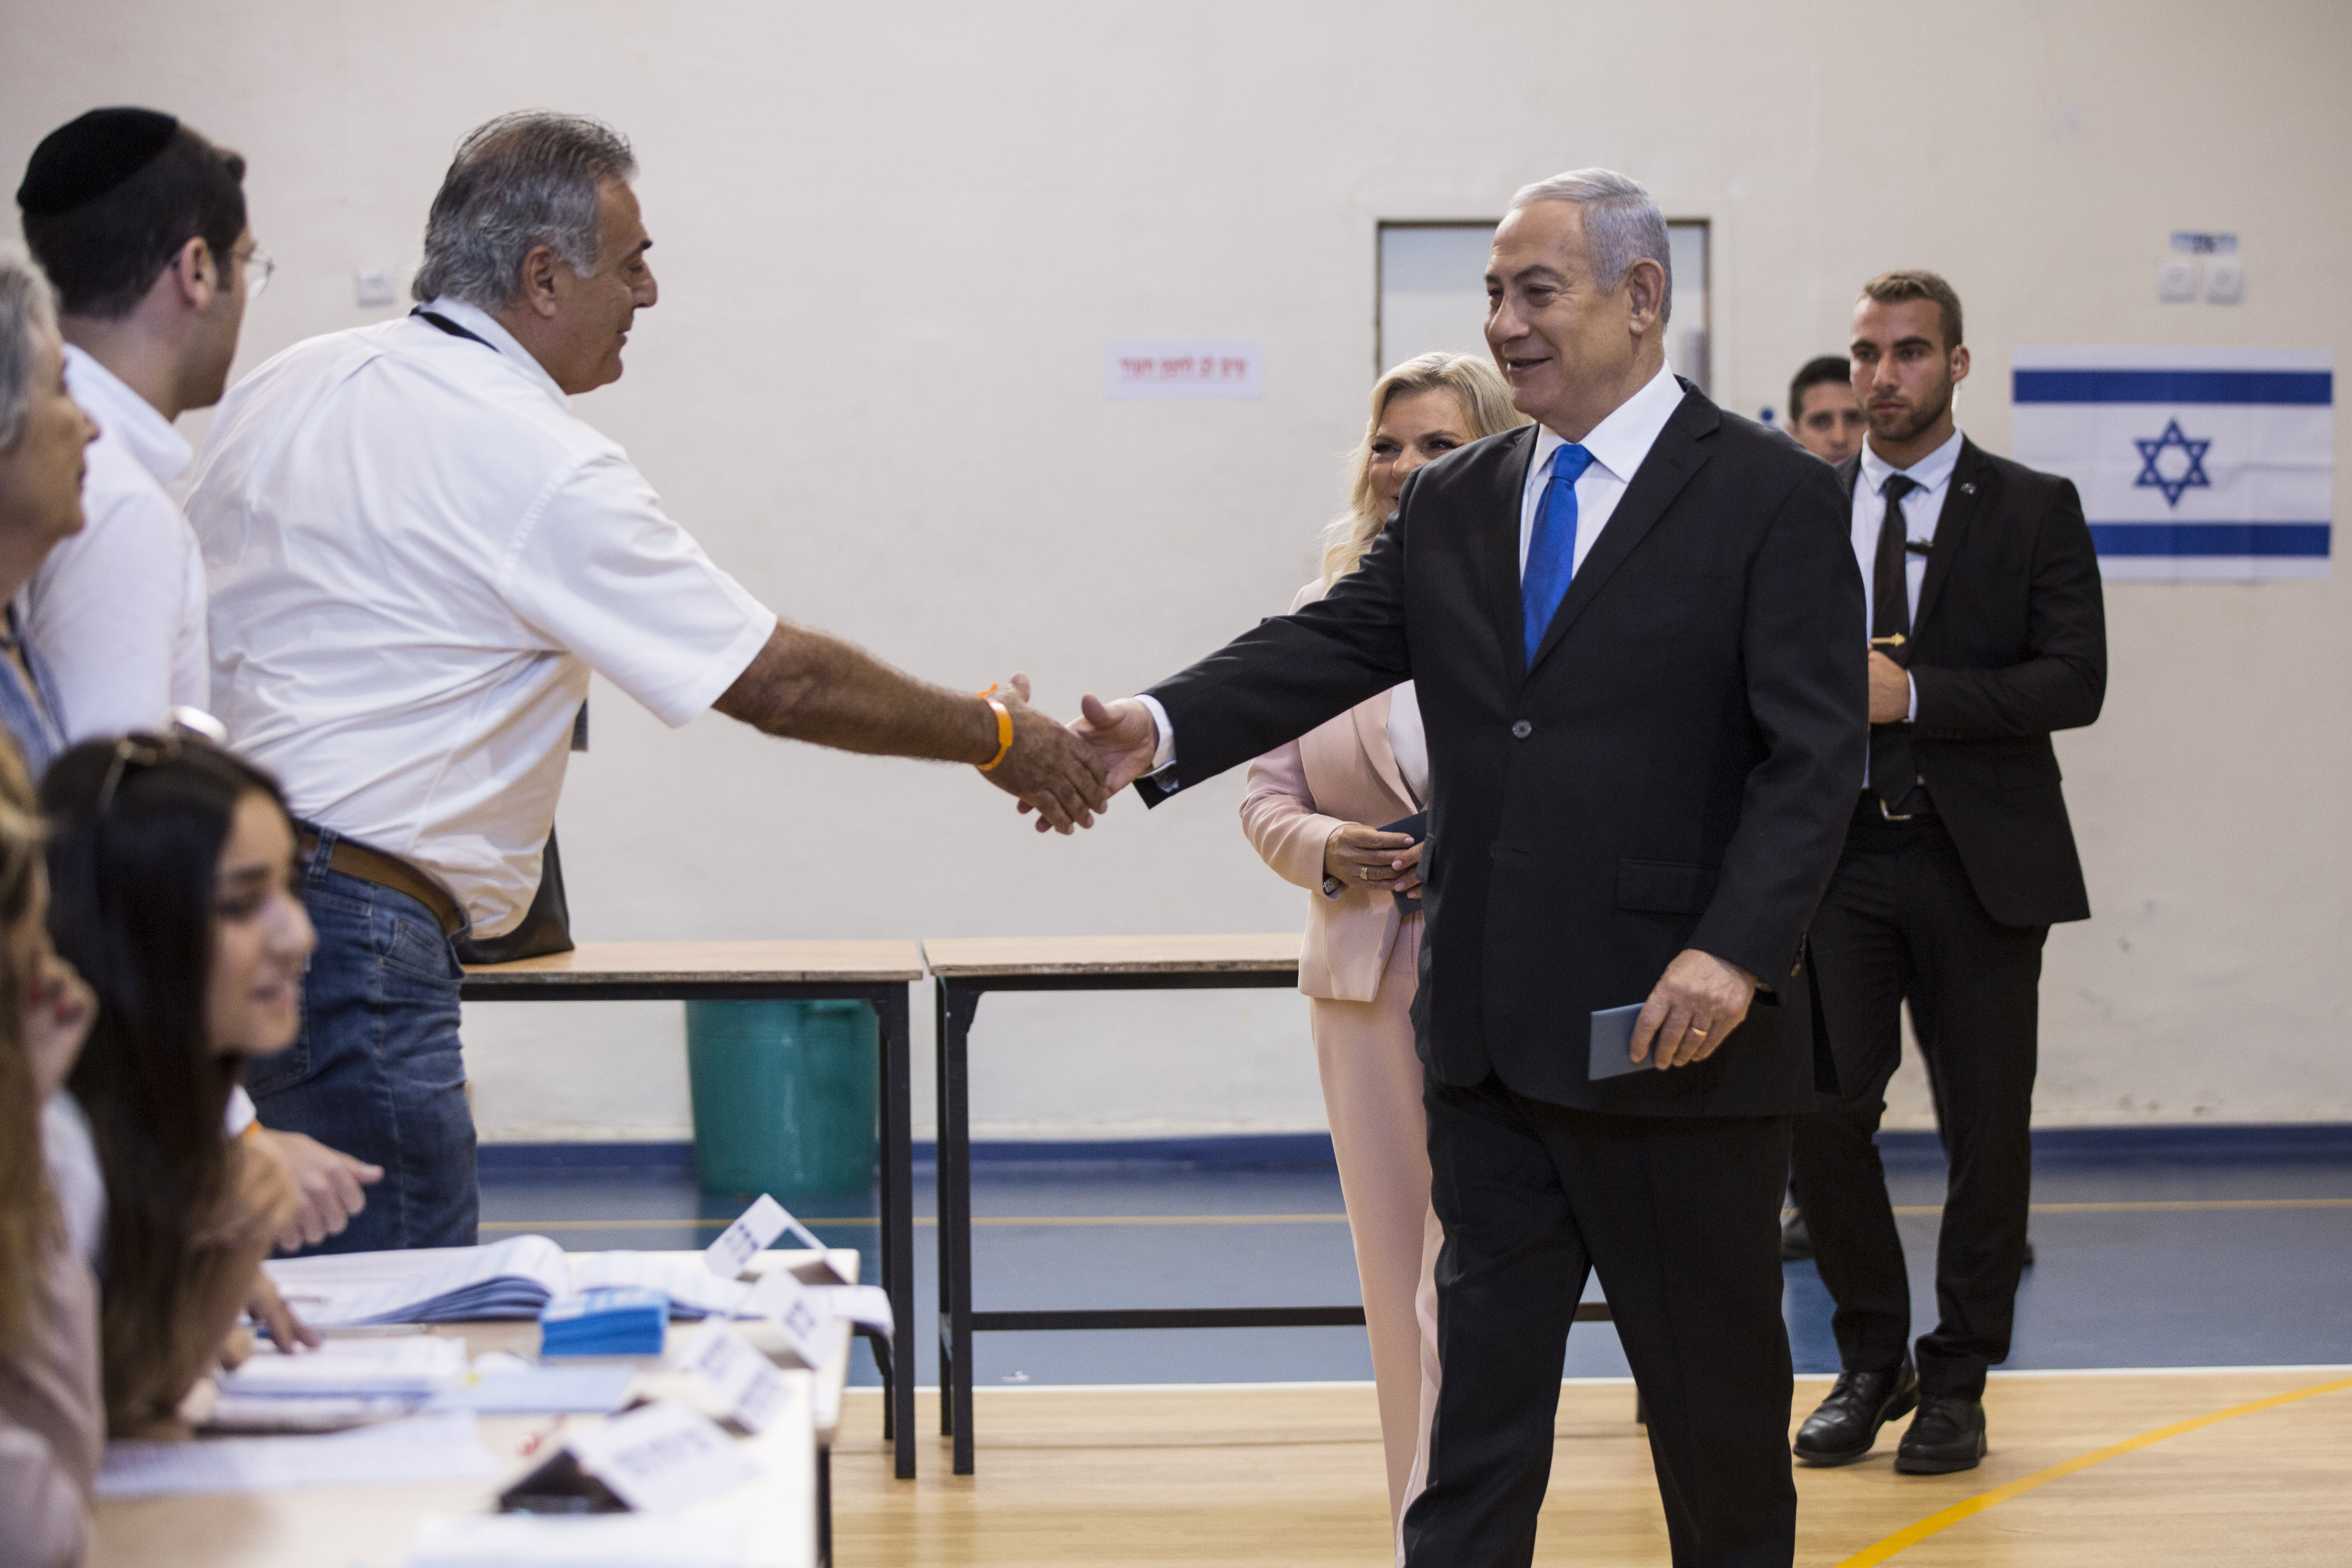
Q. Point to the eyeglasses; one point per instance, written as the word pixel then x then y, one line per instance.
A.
pixel 258 270
pixel 135 751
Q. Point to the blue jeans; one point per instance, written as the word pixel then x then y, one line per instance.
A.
pixel 378 1070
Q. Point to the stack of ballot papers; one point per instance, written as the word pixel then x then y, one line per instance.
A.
pixel 604 1322
pixel 431 1447
pixel 344 1383
pixel 414 1364
pixel 555 1541
pixel 513 1278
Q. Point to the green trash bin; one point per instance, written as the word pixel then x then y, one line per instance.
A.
pixel 785 1096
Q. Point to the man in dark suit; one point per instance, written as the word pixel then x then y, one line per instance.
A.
pixel 1635 629
pixel 1987 635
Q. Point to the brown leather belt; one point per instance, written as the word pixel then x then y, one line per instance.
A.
pixel 390 872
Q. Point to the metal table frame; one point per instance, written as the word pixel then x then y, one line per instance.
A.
pixel 957 1002
pixel 889 1000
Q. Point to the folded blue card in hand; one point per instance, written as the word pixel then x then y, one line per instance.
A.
pixel 1613 1043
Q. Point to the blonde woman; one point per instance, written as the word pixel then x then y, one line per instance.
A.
pixel 1314 812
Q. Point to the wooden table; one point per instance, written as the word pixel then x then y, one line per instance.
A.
pixel 967 968
pixel 877 972
pixel 785 1514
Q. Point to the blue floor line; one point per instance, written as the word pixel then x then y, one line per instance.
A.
pixel 2200 1142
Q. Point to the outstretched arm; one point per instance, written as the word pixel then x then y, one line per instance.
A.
pixel 809 686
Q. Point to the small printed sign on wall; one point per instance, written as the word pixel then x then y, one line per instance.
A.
pixel 1184 368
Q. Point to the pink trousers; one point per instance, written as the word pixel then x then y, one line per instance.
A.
pixel 1371 1092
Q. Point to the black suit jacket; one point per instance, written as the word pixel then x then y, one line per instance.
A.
pixel 1676 769
pixel 2010 644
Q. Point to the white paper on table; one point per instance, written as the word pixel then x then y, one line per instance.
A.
pixel 752 1230
pixel 866 1304
pixel 513 1277
pixel 438 1448
pixel 747 1384
pixel 797 1313
pixel 690 1289
pixel 510 1279
pixel 554 1540
pixel 663 1455
pixel 414 1364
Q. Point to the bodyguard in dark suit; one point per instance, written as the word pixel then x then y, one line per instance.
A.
pixel 1987 635
pixel 1636 630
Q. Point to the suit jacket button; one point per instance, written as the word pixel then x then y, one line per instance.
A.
pixel 1522 728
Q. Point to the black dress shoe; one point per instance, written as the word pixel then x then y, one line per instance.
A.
pixel 1948 1435
pixel 1796 1240
pixel 1846 1424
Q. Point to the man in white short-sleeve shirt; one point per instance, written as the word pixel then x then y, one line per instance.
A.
pixel 417 555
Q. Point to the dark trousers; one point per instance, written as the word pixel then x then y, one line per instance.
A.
pixel 1901 922
pixel 1681 1217
pixel 377 1070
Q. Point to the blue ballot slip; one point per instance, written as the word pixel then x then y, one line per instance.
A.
pixel 621 1321
pixel 1613 1043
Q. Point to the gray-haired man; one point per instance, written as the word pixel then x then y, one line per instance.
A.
pixel 416 555
pixel 1630 625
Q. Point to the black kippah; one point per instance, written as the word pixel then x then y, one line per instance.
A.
pixel 84 159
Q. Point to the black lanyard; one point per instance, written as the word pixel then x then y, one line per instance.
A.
pixel 434 319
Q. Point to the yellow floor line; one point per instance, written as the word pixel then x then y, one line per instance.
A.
pixel 1935 1522
pixel 2183 1206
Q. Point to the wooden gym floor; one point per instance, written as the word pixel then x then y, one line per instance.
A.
pixel 2087 1469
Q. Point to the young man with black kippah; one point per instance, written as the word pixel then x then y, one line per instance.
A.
pixel 140 225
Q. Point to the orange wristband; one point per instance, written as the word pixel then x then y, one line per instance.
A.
pixel 1004 731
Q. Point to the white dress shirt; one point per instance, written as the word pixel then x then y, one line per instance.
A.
pixel 1619 445
pixel 1933 476
pixel 118 610
pixel 417 553
pixel 1409 743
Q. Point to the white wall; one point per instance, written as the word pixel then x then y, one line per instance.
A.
pixel 894 238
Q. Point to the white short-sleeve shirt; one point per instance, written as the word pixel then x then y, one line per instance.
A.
pixel 416 555
pixel 118 610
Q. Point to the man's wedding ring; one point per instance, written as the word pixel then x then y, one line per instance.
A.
pixel 1364 873
pixel 1699 1032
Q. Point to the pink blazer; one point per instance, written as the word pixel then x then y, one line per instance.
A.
pixel 1342 771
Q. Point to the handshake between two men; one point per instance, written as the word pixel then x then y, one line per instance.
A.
pixel 1070 773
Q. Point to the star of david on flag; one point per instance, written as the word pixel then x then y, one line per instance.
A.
pixel 2153 470
pixel 2193 463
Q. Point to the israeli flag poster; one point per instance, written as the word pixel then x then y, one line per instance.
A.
pixel 2194 464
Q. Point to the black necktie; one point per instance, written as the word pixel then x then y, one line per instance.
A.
pixel 1893 772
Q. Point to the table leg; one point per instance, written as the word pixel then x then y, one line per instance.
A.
pixel 957 1006
pixel 824 1505
pixel 942 1186
pixel 898 1221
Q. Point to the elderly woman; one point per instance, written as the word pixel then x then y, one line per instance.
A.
pixel 42 434
pixel 1314 812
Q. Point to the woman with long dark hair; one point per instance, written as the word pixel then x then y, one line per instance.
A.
pixel 172 866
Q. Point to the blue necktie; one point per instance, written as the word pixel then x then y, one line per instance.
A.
pixel 1551 552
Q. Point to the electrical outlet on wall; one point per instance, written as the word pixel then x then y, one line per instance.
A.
pixel 372 287
pixel 2175 279
pixel 2225 281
